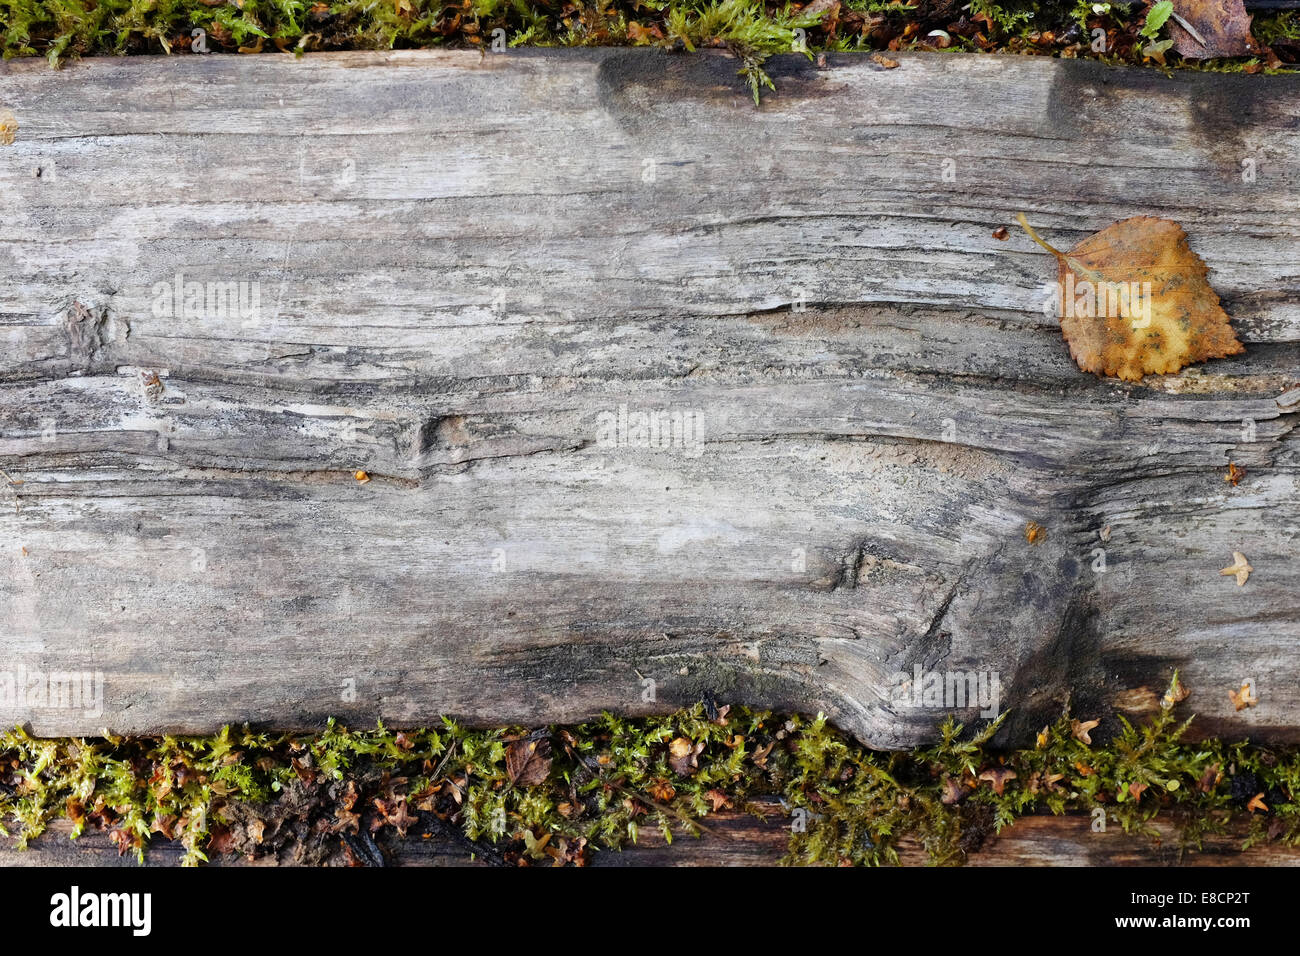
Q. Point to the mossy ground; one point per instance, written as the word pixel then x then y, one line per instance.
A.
pixel 751 29
pixel 556 795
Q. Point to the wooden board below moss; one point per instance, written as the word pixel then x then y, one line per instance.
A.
pixel 740 839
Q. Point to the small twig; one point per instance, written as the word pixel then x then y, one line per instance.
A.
pixel 1072 263
pixel 1024 224
pixel 364 848
pixel 1190 29
pixel 433 777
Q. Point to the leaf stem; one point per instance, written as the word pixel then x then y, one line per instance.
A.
pixel 1024 224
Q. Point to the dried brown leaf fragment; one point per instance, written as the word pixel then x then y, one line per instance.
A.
pixel 528 762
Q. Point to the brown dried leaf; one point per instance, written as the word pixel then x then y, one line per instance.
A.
pixel 1176 694
pixel 528 761
pixel 662 790
pixel 642 35
pixel 1082 730
pixel 683 756
pixel 1224 25
pixel 1243 698
pixel 566 852
pixel 1239 569
pixel 1043 780
pixel 998 777
pixel 347 820
pixel 394 813
pixel 718 800
pixel 220 840
pixel 1172 319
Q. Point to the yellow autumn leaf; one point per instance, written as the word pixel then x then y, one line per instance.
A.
pixel 1135 300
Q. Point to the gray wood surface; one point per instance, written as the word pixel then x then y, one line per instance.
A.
pixel 467 265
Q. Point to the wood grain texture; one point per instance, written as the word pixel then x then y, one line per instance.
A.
pixel 467 266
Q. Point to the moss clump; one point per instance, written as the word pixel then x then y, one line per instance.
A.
pixel 558 794
pixel 751 29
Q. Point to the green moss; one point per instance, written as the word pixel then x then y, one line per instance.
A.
pixel 1279 26
pixel 752 30
pixel 745 27
pixel 314 796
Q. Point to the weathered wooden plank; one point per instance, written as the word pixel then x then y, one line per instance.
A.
pixel 739 839
pixel 468 266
